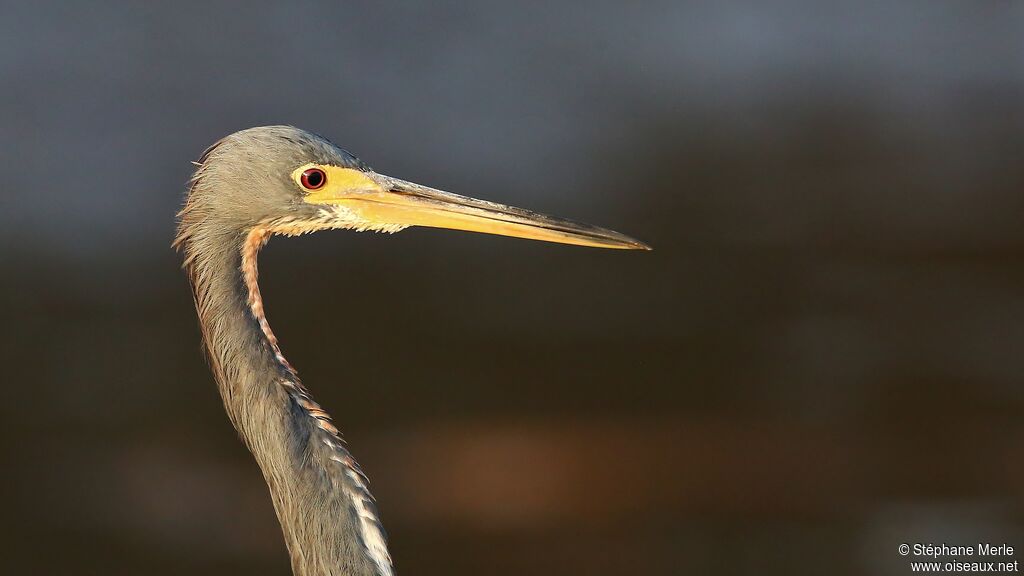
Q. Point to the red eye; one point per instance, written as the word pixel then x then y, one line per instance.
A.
pixel 313 178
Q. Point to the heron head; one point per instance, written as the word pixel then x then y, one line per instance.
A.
pixel 289 181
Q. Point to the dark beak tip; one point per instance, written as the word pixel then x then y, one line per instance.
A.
pixel 634 244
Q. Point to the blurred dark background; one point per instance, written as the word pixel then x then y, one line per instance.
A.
pixel 822 358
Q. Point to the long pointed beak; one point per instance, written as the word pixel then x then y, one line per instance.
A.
pixel 408 204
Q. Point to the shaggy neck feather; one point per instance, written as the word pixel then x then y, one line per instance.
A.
pixel 321 498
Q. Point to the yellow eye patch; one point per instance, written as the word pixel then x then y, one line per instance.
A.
pixel 339 183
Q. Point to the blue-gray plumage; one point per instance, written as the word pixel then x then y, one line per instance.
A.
pixel 281 180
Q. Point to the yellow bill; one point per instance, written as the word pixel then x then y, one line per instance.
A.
pixel 382 199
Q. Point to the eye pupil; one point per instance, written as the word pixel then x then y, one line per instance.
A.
pixel 313 178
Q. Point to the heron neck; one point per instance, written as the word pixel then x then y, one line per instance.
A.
pixel 321 497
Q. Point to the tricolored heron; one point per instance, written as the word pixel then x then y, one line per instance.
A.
pixel 272 180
